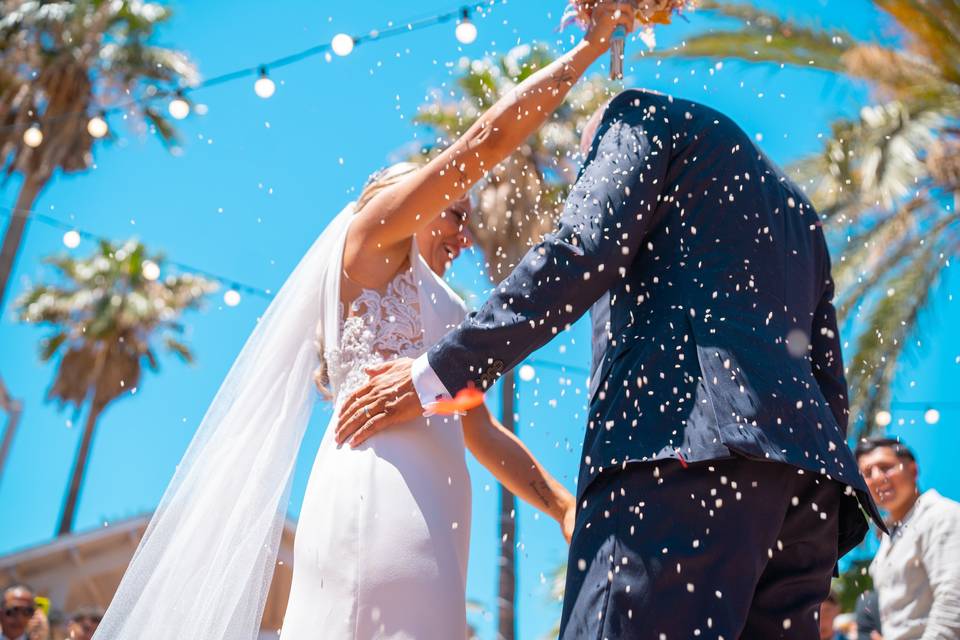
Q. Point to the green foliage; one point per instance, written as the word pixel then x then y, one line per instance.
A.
pixel 886 183
pixel 103 314
pixel 852 583
pixel 62 62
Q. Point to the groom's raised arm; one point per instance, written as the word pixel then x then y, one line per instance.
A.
pixel 611 209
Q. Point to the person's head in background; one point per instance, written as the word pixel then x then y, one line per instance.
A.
pixel 18 610
pixel 441 241
pixel 829 610
pixel 890 469
pixel 83 623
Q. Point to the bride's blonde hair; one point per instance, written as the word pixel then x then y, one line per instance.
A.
pixel 384 178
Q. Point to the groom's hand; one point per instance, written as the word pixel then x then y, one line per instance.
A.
pixel 387 399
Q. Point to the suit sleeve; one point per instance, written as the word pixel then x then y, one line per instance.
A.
pixel 611 209
pixel 826 356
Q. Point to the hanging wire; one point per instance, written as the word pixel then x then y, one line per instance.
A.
pixel 56 223
pixel 373 35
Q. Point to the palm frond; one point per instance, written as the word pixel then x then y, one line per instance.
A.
pixel 864 249
pixel 933 27
pixel 887 256
pixel 894 72
pixel 104 313
pixel 180 349
pixel 765 37
pixel 60 61
pixel 882 342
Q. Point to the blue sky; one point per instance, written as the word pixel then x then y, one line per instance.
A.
pixel 258 180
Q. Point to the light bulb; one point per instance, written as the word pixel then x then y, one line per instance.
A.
pixel 179 108
pixel 33 137
pixel 150 270
pixel 466 31
pixel 883 418
pixel 527 373
pixel 71 239
pixel 342 44
pixel 931 416
pixel 231 298
pixel 97 127
pixel 264 86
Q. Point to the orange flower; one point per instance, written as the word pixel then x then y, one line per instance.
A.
pixel 659 17
pixel 466 399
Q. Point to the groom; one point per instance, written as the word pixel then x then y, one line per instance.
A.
pixel 716 490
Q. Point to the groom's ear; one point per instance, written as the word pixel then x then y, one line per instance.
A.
pixel 591 128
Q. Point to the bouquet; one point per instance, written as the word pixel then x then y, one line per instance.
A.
pixel 648 14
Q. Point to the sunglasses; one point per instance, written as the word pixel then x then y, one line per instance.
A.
pixel 26 612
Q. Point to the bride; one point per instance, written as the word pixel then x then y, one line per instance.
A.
pixel 381 545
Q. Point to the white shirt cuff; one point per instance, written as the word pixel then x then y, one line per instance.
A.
pixel 427 384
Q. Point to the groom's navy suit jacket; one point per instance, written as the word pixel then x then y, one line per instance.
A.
pixel 709 281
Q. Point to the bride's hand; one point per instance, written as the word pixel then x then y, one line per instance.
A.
pixel 604 18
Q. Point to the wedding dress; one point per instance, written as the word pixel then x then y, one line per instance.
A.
pixel 381 546
pixel 382 541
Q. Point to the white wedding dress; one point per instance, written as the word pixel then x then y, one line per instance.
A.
pixel 382 541
pixel 381 547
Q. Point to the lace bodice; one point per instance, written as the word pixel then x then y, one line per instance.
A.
pixel 379 327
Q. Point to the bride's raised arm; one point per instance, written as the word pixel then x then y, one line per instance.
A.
pixel 385 223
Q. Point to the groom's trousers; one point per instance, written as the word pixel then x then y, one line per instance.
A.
pixel 730 548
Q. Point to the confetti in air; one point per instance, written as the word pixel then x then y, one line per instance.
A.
pixel 649 13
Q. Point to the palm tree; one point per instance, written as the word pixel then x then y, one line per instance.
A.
pixel 887 183
pixel 62 63
pixel 517 204
pixel 104 317
pixel 13 408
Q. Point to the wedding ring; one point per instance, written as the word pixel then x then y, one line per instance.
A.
pixel 366 410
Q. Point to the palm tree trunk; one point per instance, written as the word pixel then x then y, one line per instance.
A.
pixel 68 515
pixel 507 577
pixel 13 409
pixel 29 190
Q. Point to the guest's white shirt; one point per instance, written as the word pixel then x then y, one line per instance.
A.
pixel 916 572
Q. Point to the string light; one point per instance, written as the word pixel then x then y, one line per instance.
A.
pixel 71 239
pixel 73 235
pixel 33 137
pixel 342 44
pixel 883 418
pixel 931 416
pixel 179 108
pixel 97 127
pixel 231 297
pixel 466 31
pixel 150 270
pixel 527 373
pixel 264 86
